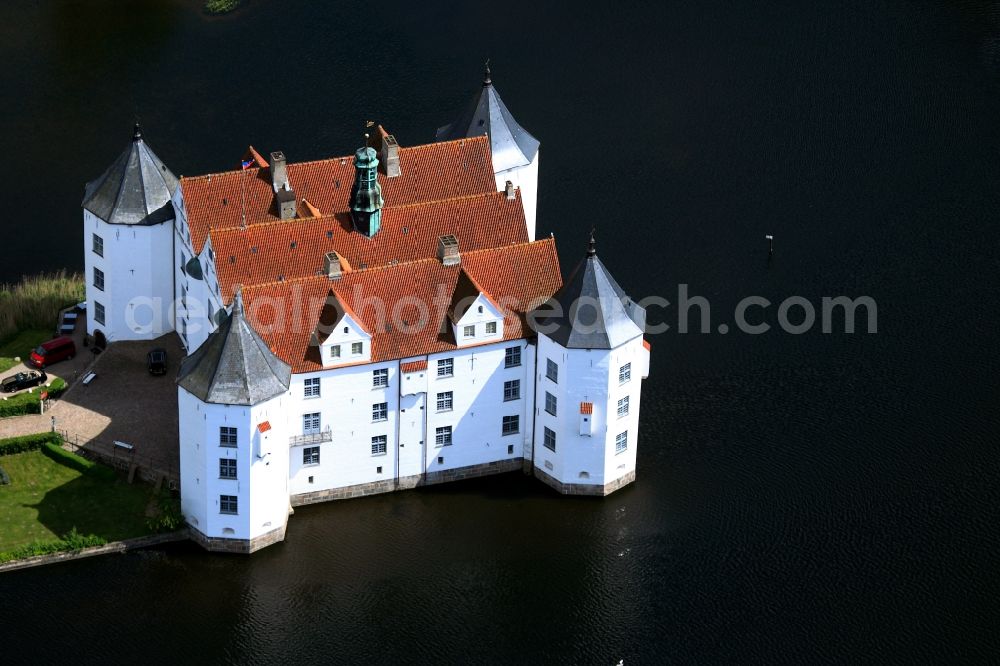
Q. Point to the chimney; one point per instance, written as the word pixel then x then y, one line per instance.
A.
pixel 509 191
pixel 283 195
pixel 448 250
pixel 331 266
pixel 390 155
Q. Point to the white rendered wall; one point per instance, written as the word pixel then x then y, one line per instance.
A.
pixel 138 279
pixel 526 178
pixel 202 298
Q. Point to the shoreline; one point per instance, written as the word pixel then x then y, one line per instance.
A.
pixel 122 546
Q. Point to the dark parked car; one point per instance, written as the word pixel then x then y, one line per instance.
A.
pixel 22 380
pixel 157 362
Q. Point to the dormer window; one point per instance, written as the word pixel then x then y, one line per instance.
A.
pixel 491 328
pixel 356 348
pixel 468 331
pixel 335 351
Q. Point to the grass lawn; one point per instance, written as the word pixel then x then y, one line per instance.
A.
pixel 46 499
pixel 21 345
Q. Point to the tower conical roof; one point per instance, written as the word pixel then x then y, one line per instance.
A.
pixel 135 190
pixel 512 146
pixel 593 312
pixel 234 366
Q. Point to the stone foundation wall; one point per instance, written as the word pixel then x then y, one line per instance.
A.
pixel 238 546
pixel 584 488
pixel 473 471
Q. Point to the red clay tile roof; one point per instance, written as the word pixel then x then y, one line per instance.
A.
pixel 256 158
pixel 586 408
pixel 414 298
pixel 289 249
pixel 430 172
pixel 413 366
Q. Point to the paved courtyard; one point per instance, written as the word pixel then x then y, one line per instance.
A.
pixel 124 403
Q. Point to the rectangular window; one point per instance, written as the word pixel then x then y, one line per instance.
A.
pixel 356 348
pixel 335 351
pixel 98 245
pixel 550 403
pixel 511 425
pixel 311 387
pixel 380 411
pixel 98 312
pixel 550 440
pixel 468 331
pixel 446 367
pixel 310 423
pixel 380 378
pixel 625 373
pixel 442 436
pixel 512 390
pixel 512 357
pixel 98 278
pixel 621 442
pixel 379 445
pixel 623 407
pixel 310 455
pixel 227 468
pixel 444 401
pixel 227 436
pixel 551 370
pixel 228 504
pixel 491 328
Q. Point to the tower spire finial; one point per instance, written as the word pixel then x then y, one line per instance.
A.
pixel 136 131
pixel 592 246
pixel 487 79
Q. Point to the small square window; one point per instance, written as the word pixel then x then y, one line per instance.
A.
pixel 310 455
pixel 378 470
pixel 98 312
pixel 446 367
pixel 227 436
pixel 310 479
pixel 98 245
pixel 227 468
pixel 469 331
pixel 550 439
pixel 491 328
pixel 512 390
pixel 625 373
pixel 440 460
pixel 356 348
pixel 621 442
pixel 623 407
pixel 550 403
pixel 380 411
pixel 335 351
pixel 551 370
pixel 442 436
pixel 444 401
pixel 228 504
pixel 98 278
pixel 510 448
pixel 512 357
pixel 380 377
pixel 379 445
pixel 310 423
pixel 511 425
pixel 311 387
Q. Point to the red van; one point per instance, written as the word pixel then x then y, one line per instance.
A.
pixel 53 351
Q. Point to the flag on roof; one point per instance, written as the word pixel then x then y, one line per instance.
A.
pixel 247 163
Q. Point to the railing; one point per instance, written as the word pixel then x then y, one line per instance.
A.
pixel 311 438
pixel 122 458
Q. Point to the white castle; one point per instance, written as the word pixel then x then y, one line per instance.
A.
pixel 367 324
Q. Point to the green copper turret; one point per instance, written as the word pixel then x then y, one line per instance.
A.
pixel 366 195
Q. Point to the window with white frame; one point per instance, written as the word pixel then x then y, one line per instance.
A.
pixel 98 245
pixel 550 403
pixel 446 367
pixel 444 401
pixel 227 436
pixel 379 445
pixel 356 348
pixel 512 357
pixel 98 312
pixel 310 423
pixel 311 387
pixel 511 425
pixel 512 390
pixel 310 455
pixel 442 436
pixel 228 504
pixel 491 328
pixel 552 370
pixel 623 407
pixel 621 442
pixel 227 468
pixel 625 373
pixel 98 278
pixel 380 411
pixel 380 377
pixel 335 351
pixel 549 440
pixel 469 331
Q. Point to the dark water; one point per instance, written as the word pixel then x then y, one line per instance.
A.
pixel 800 499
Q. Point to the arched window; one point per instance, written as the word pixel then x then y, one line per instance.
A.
pixel 584 475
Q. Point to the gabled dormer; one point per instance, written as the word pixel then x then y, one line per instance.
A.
pixel 474 317
pixel 340 335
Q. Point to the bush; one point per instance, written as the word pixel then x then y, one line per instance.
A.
pixel 28 442
pixel 221 6
pixel 169 517
pixel 72 541
pixel 36 300
pixel 79 463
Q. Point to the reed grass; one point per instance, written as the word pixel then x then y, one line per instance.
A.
pixel 35 301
